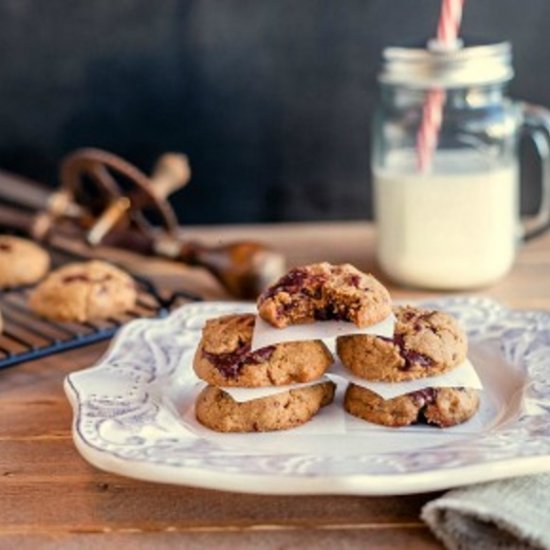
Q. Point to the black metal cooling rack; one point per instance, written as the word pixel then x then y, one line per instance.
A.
pixel 27 337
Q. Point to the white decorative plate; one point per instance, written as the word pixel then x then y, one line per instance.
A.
pixel 133 416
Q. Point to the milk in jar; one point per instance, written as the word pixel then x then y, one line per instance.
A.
pixel 454 227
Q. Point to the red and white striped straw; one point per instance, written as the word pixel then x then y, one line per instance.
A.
pixel 432 111
pixel 449 21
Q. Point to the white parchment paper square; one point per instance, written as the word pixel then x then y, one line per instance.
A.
pixel 464 375
pixel 267 335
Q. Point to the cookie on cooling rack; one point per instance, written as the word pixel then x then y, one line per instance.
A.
pixel 425 343
pixel 323 292
pixel 84 291
pixel 443 407
pixel 217 410
pixel 223 356
pixel 22 262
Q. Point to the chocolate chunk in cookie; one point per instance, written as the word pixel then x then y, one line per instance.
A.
pixel 224 357
pixel 425 343
pixel 322 292
pixel 443 407
pixel 218 411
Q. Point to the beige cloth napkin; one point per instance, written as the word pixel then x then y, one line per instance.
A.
pixel 508 514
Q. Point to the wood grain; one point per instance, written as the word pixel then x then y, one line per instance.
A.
pixel 265 538
pixel 52 498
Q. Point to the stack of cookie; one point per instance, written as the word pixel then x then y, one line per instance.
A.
pixel 224 359
pixel 425 343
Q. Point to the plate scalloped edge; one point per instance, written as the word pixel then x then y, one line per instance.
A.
pixel 122 425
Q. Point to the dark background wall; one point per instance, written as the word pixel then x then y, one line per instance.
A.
pixel 271 99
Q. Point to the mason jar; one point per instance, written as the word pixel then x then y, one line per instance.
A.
pixel 453 224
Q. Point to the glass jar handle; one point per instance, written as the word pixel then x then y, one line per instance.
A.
pixel 536 120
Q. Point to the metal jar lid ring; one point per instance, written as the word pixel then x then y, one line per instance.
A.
pixel 447 68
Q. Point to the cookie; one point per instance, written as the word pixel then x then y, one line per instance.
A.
pixel 218 411
pixel 22 262
pixel 223 356
pixel 443 407
pixel 84 291
pixel 323 292
pixel 425 343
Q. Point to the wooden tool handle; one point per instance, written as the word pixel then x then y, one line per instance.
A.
pixel 172 172
pixel 15 219
pixel 23 191
pixel 245 269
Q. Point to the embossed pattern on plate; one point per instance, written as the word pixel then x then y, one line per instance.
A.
pixel 126 419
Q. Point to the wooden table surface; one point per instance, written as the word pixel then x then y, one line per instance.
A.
pixel 51 498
